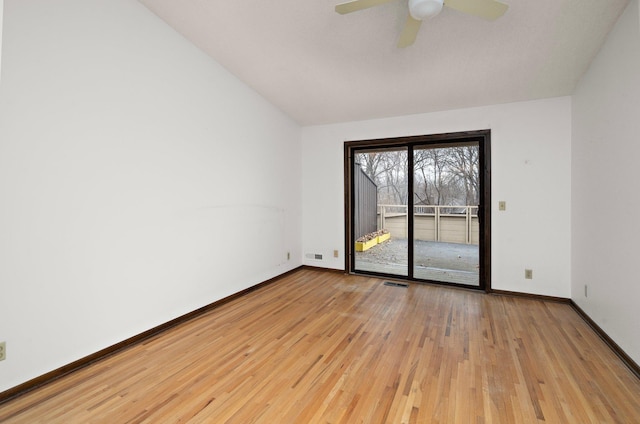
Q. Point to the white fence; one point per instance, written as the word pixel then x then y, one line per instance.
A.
pixel 446 223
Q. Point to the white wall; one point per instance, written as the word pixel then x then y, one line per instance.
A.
pixel 606 200
pixel 1 20
pixel 139 181
pixel 530 156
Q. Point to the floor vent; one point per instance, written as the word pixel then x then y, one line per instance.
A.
pixel 392 284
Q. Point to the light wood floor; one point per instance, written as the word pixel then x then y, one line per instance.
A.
pixel 320 347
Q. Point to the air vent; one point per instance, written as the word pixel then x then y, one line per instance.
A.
pixel 316 256
pixel 392 284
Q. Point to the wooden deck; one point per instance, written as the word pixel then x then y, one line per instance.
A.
pixel 322 347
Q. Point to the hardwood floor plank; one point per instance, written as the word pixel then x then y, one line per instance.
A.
pixel 320 347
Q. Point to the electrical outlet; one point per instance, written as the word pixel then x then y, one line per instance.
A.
pixel 586 293
pixel 528 274
pixel 288 256
pixel 336 253
pixel 502 205
pixel 3 351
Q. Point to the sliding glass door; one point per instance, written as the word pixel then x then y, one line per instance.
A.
pixel 413 208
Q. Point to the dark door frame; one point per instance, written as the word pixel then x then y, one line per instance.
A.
pixel 482 137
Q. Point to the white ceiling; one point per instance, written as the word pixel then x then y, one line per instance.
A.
pixel 321 67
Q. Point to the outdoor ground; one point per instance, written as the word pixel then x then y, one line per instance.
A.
pixel 437 261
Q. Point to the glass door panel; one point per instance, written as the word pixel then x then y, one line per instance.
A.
pixel 380 211
pixel 446 193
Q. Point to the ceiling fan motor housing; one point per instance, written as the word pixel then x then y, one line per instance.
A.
pixel 423 9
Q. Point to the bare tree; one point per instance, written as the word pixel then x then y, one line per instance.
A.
pixel 370 162
pixel 388 169
pixel 395 177
pixel 442 176
pixel 464 165
pixel 432 177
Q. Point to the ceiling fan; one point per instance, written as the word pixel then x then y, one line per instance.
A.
pixel 420 10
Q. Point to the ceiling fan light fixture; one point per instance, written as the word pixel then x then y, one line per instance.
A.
pixel 423 9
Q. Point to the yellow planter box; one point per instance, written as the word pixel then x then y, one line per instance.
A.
pixel 362 246
pixel 384 237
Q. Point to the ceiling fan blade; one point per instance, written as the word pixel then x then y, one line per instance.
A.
pixel 487 9
pixel 354 6
pixel 409 33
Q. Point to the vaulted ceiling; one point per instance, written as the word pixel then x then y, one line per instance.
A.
pixel 321 67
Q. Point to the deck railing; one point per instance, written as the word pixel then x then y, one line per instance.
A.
pixel 446 223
